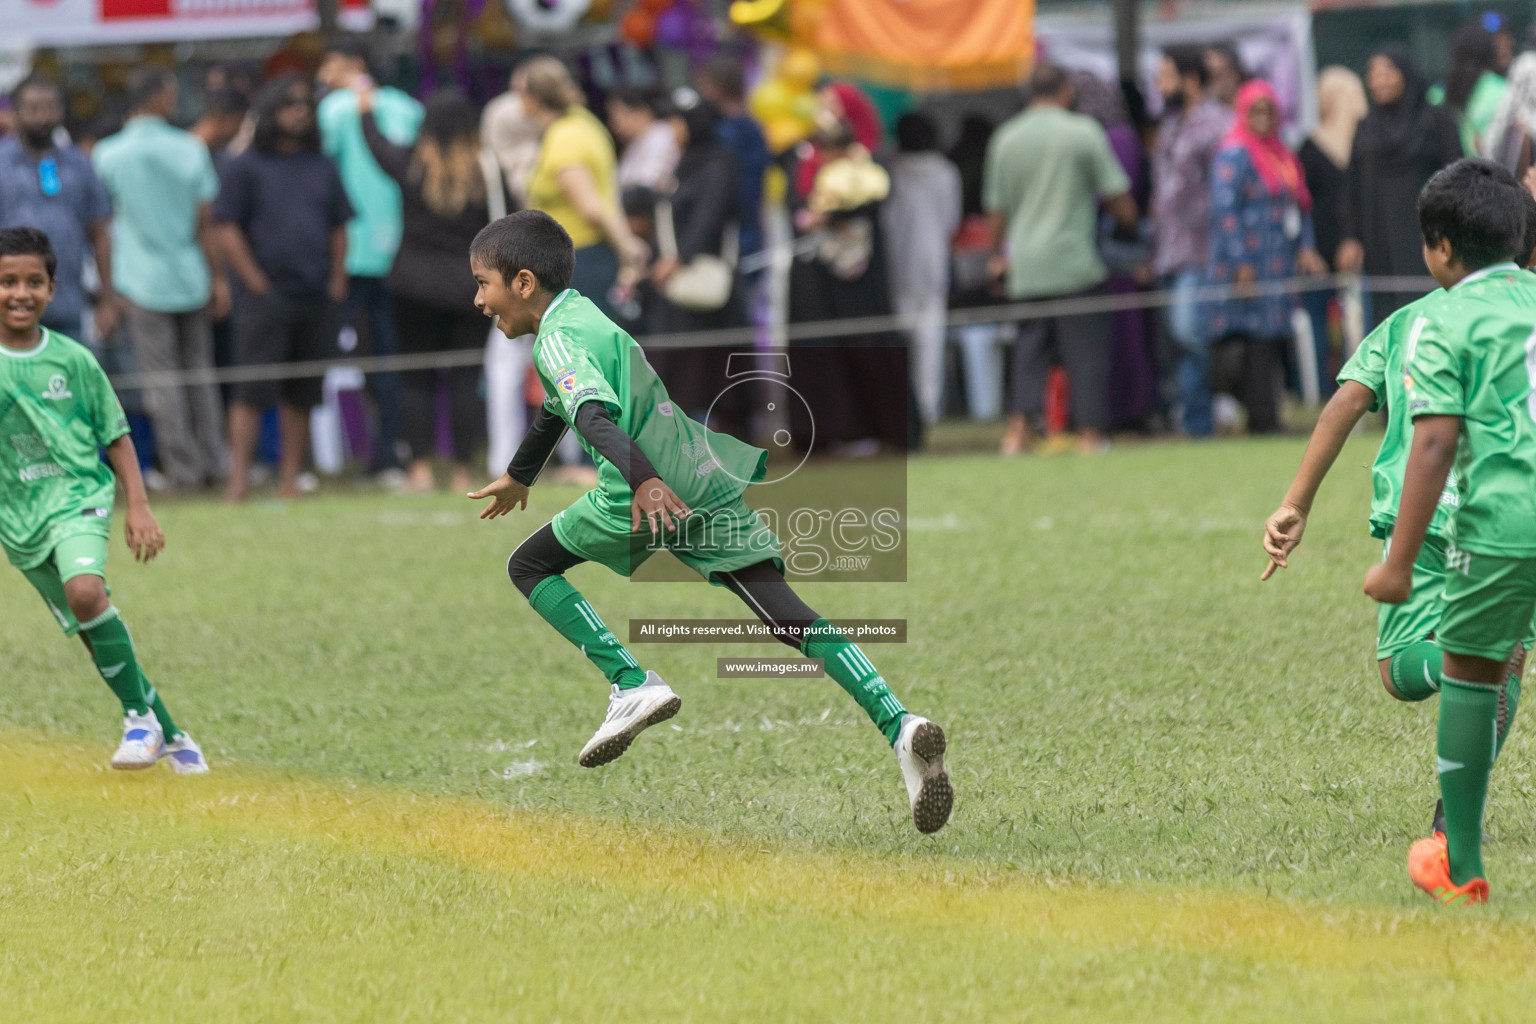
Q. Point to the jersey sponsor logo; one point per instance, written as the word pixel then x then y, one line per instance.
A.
pixel 84 560
pixel 567 383
pixel 98 513
pixel 58 389
pixel 29 447
pixel 40 471
pixel 665 408
pixel 1457 560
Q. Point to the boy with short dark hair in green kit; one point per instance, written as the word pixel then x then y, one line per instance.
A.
pixel 1469 390
pixel 1408 657
pixel 660 469
pixel 56 411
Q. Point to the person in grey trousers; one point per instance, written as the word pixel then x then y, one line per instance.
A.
pixel 168 270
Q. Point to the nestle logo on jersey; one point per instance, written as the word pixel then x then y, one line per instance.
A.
pixel 40 471
pixel 58 388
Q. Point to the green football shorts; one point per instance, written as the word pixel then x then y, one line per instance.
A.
pixel 708 542
pixel 82 554
pixel 1399 626
pixel 1489 602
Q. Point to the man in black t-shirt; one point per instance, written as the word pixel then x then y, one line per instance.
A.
pixel 282 214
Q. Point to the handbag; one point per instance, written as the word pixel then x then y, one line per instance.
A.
pixel 703 284
pixel 971 255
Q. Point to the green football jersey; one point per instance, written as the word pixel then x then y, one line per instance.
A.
pixel 1473 357
pixel 1378 364
pixel 56 410
pixel 582 356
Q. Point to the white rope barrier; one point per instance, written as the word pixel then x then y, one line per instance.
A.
pixel 748 337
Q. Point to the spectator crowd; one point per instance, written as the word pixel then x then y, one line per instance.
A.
pixel 327 213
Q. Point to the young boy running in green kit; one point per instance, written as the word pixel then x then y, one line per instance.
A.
pixel 57 411
pixel 657 469
pixel 1407 656
pixel 1467 378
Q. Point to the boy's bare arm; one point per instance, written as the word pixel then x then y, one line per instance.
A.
pixel 511 490
pixel 1429 463
pixel 509 494
pixel 143 533
pixel 1283 530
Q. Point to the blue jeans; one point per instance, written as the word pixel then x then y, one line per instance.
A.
pixel 369 303
pixel 1194 350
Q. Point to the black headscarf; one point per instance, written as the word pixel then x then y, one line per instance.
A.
pixel 970 156
pixel 1397 130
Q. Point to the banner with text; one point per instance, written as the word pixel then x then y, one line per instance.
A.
pixel 86 22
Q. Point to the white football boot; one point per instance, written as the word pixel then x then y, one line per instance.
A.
pixel 143 742
pixel 185 756
pixel 920 752
pixel 630 712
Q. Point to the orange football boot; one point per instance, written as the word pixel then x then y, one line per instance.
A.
pixel 1429 866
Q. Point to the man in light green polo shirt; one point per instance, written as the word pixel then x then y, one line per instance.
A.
pixel 373 233
pixel 164 263
pixel 1047 172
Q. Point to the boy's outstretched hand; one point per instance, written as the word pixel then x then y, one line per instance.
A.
pixel 143 533
pixel 1282 532
pixel 509 494
pixel 1388 584
pixel 655 500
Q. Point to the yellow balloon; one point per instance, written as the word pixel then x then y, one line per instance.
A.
pixel 781 132
pixel 773 98
pixel 799 69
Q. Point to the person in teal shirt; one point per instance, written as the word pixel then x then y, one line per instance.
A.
pixel 373 234
pixel 167 269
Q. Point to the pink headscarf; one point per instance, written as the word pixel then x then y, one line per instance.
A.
pixel 1277 166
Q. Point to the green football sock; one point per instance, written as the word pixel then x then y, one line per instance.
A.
pixel 1509 703
pixel 1416 671
pixel 562 606
pixel 112 648
pixel 856 674
pixel 1468 722
pixel 158 707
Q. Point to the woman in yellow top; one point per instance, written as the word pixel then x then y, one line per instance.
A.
pixel 575 182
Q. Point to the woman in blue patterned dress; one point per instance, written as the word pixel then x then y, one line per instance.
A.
pixel 1261 230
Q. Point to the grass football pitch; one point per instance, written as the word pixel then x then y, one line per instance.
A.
pixel 1181 795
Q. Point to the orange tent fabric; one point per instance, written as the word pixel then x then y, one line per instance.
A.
pixel 928 44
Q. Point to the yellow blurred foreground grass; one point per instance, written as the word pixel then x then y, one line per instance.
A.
pixel 252 895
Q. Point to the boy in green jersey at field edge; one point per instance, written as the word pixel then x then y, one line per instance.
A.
pixel 1408 658
pixel 657 468
pixel 1468 385
pixel 57 411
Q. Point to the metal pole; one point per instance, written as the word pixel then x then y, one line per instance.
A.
pixel 1127 37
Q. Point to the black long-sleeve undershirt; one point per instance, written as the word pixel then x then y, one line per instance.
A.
pixel 597 428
